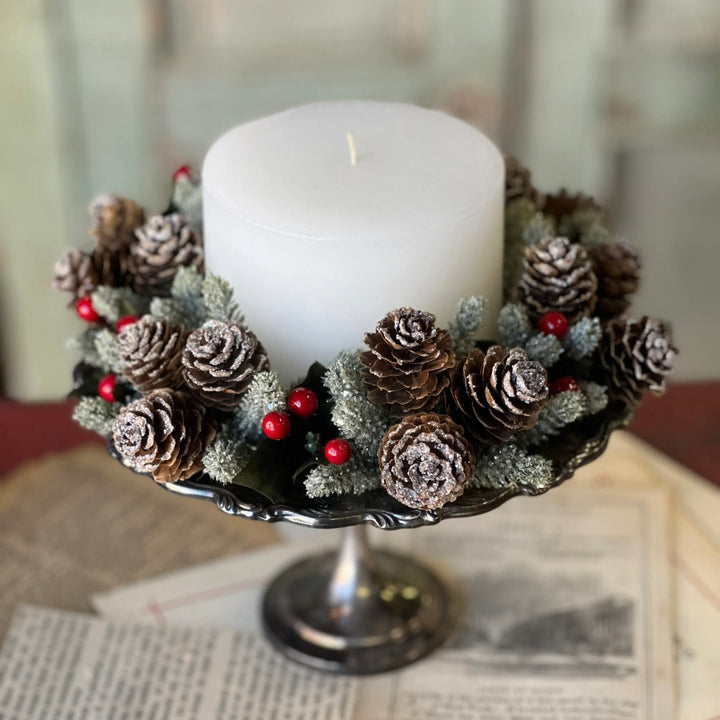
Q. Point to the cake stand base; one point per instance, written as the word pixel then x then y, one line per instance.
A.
pixel 356 611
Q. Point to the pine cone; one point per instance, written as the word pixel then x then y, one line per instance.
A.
pixel 617 268
pixel 406 368
pixel 498 393
pixel 558 277
pixel 425 461
pixel 164 243
pixel 115 220
pixel 112 266
pixel 151 351
pixel 637 355
pixel 560 204
pixel 518 181
pixel 219 361
pixel 75 273
pixel 164 433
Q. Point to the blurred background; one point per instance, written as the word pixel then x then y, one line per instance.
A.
pixel 619 98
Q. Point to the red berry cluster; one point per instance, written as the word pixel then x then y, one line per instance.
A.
pixel 303 403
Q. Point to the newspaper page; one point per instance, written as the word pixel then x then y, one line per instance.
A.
pixel 70 666
pixel 564 611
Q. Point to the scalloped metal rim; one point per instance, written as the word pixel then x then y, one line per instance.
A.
pixel 378 509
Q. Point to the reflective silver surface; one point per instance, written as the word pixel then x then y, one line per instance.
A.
pixel 356 611
pixel 581 443
pixel 362 612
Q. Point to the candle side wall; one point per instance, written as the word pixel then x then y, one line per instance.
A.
pixel 307 299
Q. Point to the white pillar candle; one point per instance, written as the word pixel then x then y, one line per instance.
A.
pixel 321 233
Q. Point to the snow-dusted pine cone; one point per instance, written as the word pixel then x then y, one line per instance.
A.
pixel 617 268
pixel 164 244
pixel 425 461
pixel 164 433
pixel 518 181
pixel 637 355
pixel 75 273
pixel 558 277
pixel 151 351
pixel 498 393
pixel 114 221
pixel 407 366
pixel 219 361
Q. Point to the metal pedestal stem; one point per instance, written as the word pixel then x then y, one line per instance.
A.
pixel 356 611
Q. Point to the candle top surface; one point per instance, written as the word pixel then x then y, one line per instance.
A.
pixel 293 173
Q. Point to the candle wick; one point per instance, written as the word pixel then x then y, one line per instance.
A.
pixel 353 148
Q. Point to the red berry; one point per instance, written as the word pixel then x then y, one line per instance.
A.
pixel 553 323
pixel 106 387
pixel 124 321
pixel 182 173
pixel 84 308
pixel 276 425
pixel 563 384
pixel 302 402
pixel 337 451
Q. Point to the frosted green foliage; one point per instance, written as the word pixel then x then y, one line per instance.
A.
pixel 469 318
pixel 355 476
pixel 187 283
pixel 595 235
pixel 355 417
pixel 596 396
pixel 108 351
pixel 84 346
pixel 582 338
pixel 518 214
pixel 226 456
pixel 513 325
pixel 510 466
pixel 546 349
pixel 538 228
pixel 561 410
pixel 185 305
pixel 586 226
pixel 264 394
pixel 96 414
pixel 187 198
pixel 112 303
pixel 219 301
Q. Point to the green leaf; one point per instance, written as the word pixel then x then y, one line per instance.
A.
pixel 269 472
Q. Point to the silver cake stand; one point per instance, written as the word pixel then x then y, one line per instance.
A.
pixel 361 611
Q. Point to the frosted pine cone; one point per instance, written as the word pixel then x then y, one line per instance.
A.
pixel 498 393
pixel 558 277
pixel 165 433
pixel 114 221
pixel 617 268
pixel 75 273
pixel 219 361
pixel 518 181
pixel 164 243
pixel 406 368
pixel 151 351
pixel 425 461
pixel 638 355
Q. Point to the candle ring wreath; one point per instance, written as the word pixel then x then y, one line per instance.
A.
pixel 424 423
